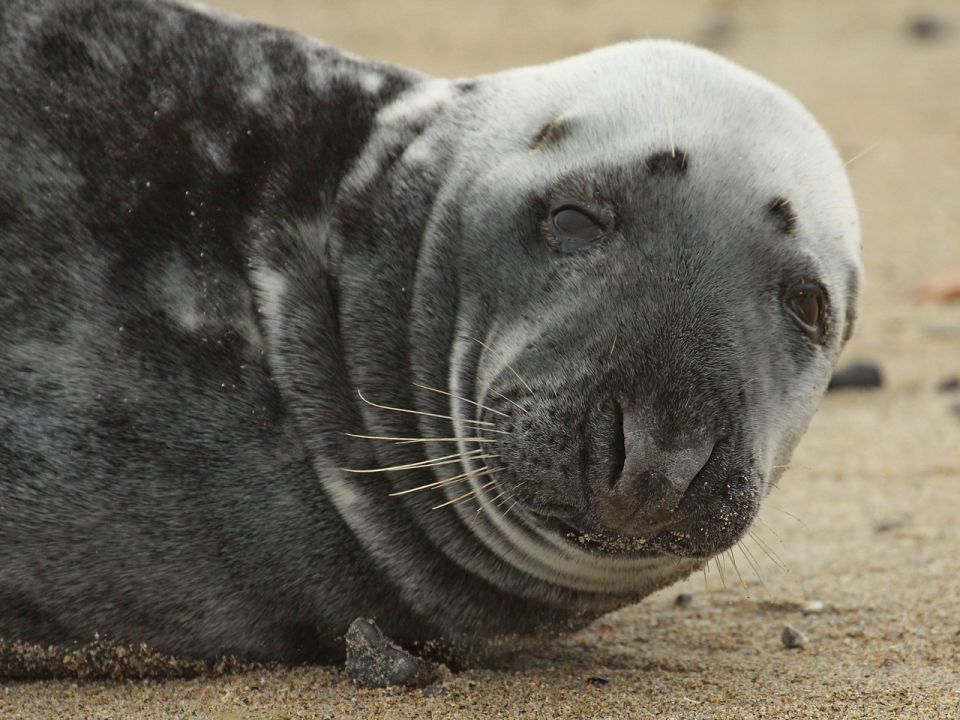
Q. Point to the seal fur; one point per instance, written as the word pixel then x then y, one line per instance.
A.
pixel 213 234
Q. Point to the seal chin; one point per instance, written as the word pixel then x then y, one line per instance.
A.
pixel 601 542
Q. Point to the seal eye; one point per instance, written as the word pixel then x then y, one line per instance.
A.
pixel 575 228
pixel 807 303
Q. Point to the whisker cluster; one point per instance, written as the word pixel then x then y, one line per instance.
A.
pixel 477 454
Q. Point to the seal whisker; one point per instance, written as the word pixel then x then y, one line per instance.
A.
pixel 754 565
pixel 843 167
pixel 418 412
pixel 665 114
pixel 789 514
pixel 733 560
pixel 718 562
pixel 511 496
pixel 460 397
pixel 465 496
pixel 462 477
pixel 506 364
pixel 481 505
pixel 769 552
pixel 519 407
pixel 443 460
pixel 770 530
pixel 408 440
pixel 869 148
pixel 510 508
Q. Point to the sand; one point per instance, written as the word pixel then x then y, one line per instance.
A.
pixel 875 483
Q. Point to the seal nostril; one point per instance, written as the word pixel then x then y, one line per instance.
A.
pixel 618 453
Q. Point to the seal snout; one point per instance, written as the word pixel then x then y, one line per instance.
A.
pixel 652 479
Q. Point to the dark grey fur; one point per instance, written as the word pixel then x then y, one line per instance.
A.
pixel 168 438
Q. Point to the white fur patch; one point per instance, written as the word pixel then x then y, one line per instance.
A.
pixel 370 81
pixel 421 99
pixel 269 288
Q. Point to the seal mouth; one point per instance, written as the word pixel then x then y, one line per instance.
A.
pixel 702 534
pixel 597 541
pixel 710 516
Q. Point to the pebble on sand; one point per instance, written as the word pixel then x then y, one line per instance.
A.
pixel 792 638
pixel 949 385
pixel 375 662
pixel 927 26
pixel 857 375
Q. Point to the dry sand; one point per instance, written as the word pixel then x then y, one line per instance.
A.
pixel 876 482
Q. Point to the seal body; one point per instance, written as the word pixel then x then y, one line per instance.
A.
pixel 290 337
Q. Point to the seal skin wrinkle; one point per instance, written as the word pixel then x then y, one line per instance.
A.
pixel 290 337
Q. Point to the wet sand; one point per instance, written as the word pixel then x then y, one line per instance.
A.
pixel 866 518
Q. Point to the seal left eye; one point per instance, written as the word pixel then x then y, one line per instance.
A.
pixel 807 304
pixel 575 228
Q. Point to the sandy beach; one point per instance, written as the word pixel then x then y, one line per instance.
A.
pixel 858 547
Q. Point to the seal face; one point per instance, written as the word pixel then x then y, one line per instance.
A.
pixel 299 338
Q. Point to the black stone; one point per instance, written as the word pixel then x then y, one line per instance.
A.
pixel 375 662
pixel 856 375
pixel 949 385
pixel 927 26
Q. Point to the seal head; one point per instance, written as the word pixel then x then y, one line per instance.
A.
pixel 634 285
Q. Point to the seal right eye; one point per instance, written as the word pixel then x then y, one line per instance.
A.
pixel 575 228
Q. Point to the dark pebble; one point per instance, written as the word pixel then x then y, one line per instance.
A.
pixel 375 662
pixel 949 385
pixel 683 600
pixel 856 375
pixel 927 26
pixel 598 681
pixel 792 638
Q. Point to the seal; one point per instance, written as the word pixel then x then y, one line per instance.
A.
pixel 292 338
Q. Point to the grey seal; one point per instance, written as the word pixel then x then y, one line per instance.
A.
pixel 290 337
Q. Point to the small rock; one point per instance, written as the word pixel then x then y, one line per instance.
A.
pixel 375 662
pixel 598 681
pixel 949 385
pixel 927 26
pixel 792 638
pixel 812 607
pixel 856 375
pixel 683 600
